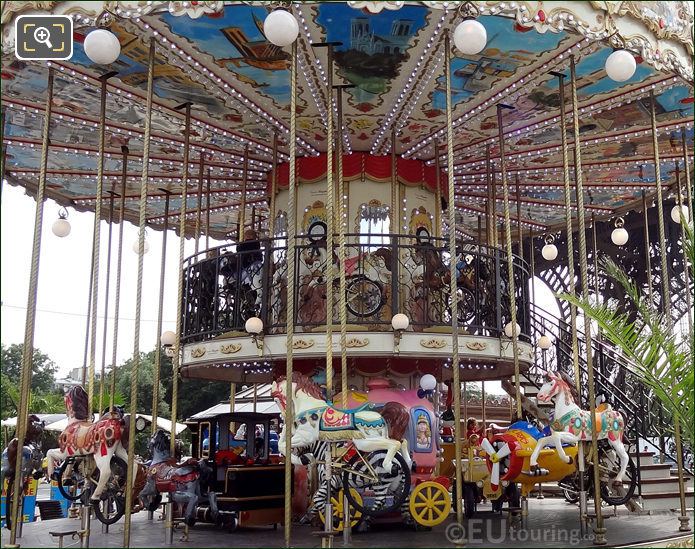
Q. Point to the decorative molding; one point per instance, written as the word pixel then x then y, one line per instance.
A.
pixel 376 7
pixel 302 343
pixel 197 352
pixel 230 349
pixel 433 343
pixel 476 345
pixel 356 342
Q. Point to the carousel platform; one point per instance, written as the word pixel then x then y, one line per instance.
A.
pixel 551 523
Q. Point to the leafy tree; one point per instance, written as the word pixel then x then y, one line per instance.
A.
pixel 145 385
pixel 43 368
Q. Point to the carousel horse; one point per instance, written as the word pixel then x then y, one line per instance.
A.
pixel 571 424
pixel 101 440
pixel 185 482
pixel 315 419
pixel 31 458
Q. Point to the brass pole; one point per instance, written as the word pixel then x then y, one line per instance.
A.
pixel 569 231
pixel 666 301
pixel 599 529
pixel 176 359
pixel 688 182
pixel 160 314
pixel 484 411
pixel 97 243
pixel 88 323
pixel 520 232
pixel 453 289
pixel 510 260
pixel 244 184
pixel 138 299
pixel 395 205
pixel 686 274
pixel 342 303
pixel 119 265
pixel 273 189
pixel 495 232
pixel 437 193
pixel 199 202
pixel 291 247
pixel 489 218
pixel 647 247
pixel 102 379
pixel 30 322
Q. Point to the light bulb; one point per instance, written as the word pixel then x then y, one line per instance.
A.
pixel 621 65
pixel 676 213
pixel 61 227
pixel 470 37
pixel 280 28
pixel 102 46
pixel 619 236
pixel 549 252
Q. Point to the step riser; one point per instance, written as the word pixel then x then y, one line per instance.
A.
pixel 654 473
pixel 668 485
pixel 662 504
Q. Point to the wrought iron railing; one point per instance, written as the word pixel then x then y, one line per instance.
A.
pixel 224 287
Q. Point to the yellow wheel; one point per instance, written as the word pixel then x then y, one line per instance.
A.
pixel 430 503
pixel 338 518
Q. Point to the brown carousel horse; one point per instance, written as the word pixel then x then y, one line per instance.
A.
pixel 31 460
pixel 101 440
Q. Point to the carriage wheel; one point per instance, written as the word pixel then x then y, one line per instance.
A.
pixel 430 503
pixel 111 506
pixel 612 493
pixel 338 515
pixel 363 296
pixel 382 493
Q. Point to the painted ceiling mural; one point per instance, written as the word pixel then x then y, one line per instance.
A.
pixel 219 60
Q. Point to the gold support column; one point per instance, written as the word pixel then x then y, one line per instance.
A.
pixel 102 378
pixel 273 190
pixel 437 193
pixel 342 302
pixel 176 359
pixel 688 182
pixel 138 300
pixel 160 314
pixel 489 217
pixel 208 184
pixel 96 242
pixel 666 300
pixel 569 231
pixel 647 247
pixel 453 290
pixel 30 322
pixel 510 260
pixel 520 231
pixel 291 247
pixel 199 202
pixel 244 185
pixel 599 529
pixel 119 268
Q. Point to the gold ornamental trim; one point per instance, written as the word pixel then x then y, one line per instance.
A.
pixel 302 343
pixel 197 352
pixel 476 345
pixel 230 349
pixel 356 342
pixel 433 343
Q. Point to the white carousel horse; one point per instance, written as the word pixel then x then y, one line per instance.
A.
pixel 571 424
pixel 101 440
pixel 315 419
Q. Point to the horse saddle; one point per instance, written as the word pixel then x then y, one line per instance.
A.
pixel 334 419
pixel 168 474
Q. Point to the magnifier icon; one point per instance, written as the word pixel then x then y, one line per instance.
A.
pixel 42 36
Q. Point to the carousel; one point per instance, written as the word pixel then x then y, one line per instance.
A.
pixel 375 192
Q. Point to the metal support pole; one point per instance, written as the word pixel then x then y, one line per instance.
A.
pixel 160 315
pixel 199 202
pixel 510 260
pixel 395 224
pixel 453 290
pixel 86 524
pixel 244 185
pixel 102 378
pixel 272 210
pixel 489 218
pixel 599 529
pixel 208 184
pixel 119 265
pixel 291 247
pixel 96 242
pixel 520 229
pixel 85 354
pixel 30 322
pixel 437 193
pixel 569 231
pixel 666 301
pixel 688 182
pixel 138 299
pixel 647 247
pixel 176 359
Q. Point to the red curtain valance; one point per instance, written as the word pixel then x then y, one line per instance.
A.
pixel 378 168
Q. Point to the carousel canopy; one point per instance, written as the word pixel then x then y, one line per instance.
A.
pixel 216 56
pixel 162 423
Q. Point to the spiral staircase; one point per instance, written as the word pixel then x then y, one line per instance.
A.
pixel 646 421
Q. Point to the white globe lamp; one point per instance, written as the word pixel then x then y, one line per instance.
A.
pixel 102 46
pixel 254 325
pixel 281 28
pixel 400 322
pixel 428 382
pixel 167 338
pixel 621 65
pixel 544 342
pixel 676 213
pixel 508 330
pixel 620 236
pixel 470 37
pixel 61 226
pixel 136 247
pixel 549 251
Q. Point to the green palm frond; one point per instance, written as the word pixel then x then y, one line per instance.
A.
pixel 658 357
